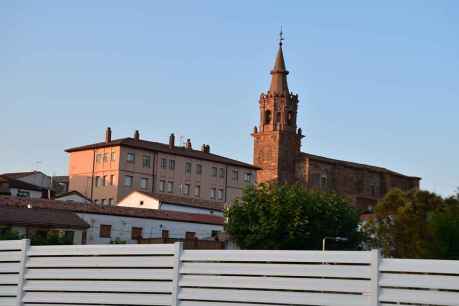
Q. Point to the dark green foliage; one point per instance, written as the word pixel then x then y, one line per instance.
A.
pixel 9 234
pixel 50 238
pixel 288 217
pixel 415 224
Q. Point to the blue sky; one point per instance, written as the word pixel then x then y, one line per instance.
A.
pixel 378 82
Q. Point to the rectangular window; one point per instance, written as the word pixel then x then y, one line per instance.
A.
pixel 170 186
pixel 323 181
pixel 172 164
pixel 373 190
pixel 186 189
pixel 188 168
pixel 214 171
pixel 22 194
pixel 112 178
pixel 198 169
pixel 163 163
pixel 110 202
pixel 105 231
pixel 146 161
pixel 221 172
pixel 98 181
pixel 98 158
pixel 248 177
pixel 104 180
pixel 113 156
pixel 102 202
pixel 105 157
pixel 235 175
pixel 213 191
pixel 136 233
pixel 220 194
pixel 162 185
pixel 96 202
pixel 144 183
pixel 128 180
pixel 197 191
pixel 131 157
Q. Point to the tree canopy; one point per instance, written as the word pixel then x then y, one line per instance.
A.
pixel 289 217
pixel 415 224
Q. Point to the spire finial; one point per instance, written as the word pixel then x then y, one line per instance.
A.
pixel 281 36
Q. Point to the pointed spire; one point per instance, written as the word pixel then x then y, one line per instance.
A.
pixel 279 73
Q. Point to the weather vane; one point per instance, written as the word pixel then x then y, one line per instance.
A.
pixel 281 37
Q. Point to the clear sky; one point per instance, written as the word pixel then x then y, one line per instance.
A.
pixel 378 82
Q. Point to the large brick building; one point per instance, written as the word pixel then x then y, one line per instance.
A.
pixel 277 144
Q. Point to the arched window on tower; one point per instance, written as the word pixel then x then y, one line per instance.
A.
pixel 289 118
pixel 268 117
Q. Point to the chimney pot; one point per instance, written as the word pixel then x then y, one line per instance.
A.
pixel 108 135
pixel 203 148
pixel 188 144
pixel 172 141
pixel 136 135
pixel 207 149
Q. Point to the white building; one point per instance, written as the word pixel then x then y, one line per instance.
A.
pixel 17 188
pixel 140 199
pixel 73 196
pixel 125 224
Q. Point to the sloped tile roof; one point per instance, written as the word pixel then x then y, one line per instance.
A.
pixel 164 148
pixel 8 201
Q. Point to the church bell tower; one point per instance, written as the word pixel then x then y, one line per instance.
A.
pixel 277 141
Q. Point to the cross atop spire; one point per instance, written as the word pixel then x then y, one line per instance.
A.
pixel 281 37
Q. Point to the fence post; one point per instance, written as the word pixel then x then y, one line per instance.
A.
pixel 22 269
pixel 374 285
pixel 176 273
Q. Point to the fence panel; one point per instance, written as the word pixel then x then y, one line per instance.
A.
pixel 102 274
pixel 274 277
pixel 416 281
pixel 12 258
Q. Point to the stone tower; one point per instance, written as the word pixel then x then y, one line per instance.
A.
pixel 277 141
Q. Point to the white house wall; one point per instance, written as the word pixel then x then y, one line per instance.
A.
pixel 73 198
pixel 135 198
pixel 152 228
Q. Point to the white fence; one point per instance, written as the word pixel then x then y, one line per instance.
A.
pixel 167 275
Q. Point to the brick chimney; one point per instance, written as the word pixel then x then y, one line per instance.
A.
pixel 207 149
pixel 136 135
pixel 188 144
pixel 172 141
pixel 108 135
pixel 203 148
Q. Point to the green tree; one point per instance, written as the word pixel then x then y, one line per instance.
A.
pixel 288 217
pixel 9 234
pixel 414 224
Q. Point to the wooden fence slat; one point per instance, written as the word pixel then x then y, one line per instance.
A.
pixel 8 290
pixel 6 245
pixel 342 271
pixel 140 274
pixel 97 298
pixel 10 256
pixel 419 296
pixel 87 250
pixel 8 279
pixel 203 303
pixel 6 267
pixel 420 266
pixel 101 261
pixel 282 297
pixel 277 256
pixel 427 281
pixel 99 286
pixel 7 301
pixel 254 282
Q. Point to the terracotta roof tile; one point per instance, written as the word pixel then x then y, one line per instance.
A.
pixel 8 201
pixel 41 217
pixel 161 147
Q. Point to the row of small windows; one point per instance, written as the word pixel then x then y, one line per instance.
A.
pixel 104 157
pixel 104 202
pixel 168 186
pixel 105 231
